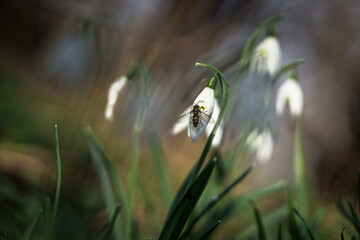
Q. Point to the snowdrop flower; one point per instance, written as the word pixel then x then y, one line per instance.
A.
pixel 290 92
pixel 219 131
pixel 197 116
pixel 206 102
pixel 180 126
pixel 113 94
pixel 266 56
pixel 262 144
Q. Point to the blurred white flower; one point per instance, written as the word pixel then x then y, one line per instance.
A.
pixel 262 144
pixel 266 56
pixel 113 94
pixel 290 92
pixel 203 106
pixel 219 131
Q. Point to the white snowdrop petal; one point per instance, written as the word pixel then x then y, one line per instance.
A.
pixel 219 132
pixel 266 145
pixel 267 55
pixel 179 127
pixel 113 94
pixel 206 101
pixel 290 91
pixel 262 144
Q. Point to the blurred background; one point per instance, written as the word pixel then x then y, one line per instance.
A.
pixel 58 59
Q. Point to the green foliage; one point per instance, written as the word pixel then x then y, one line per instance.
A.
pixel 58 180
pixel 105 232
pixel 259 222
pixel 30 228
pixel 111 189
pixel 210 231
pixel 202 202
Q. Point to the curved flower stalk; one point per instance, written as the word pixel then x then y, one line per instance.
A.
pixel 290 92
pixel 113 94
pixel 266 56
pixel 262 144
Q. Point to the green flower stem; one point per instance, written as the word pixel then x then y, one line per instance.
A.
pixel 300 171
pixel 58 180
pixel 290 67
pixel 140 117
pixel 223 107
pixel 212 82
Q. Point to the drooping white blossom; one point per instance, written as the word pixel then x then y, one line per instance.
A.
pixel 290 92
pixel 262 144
pixel 113 94
pixel 206 102
pixel 266 56
pixel 219 131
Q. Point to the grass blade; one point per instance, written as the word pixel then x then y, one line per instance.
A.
pixel 342 234
pixel 30 228
pixel 268 220
pixel 155 222
pixel 216 199
pixel 105 233
pixel 259 222
pixel 160 166
pixel 177 220
pixel 235 205
pixel 258 193
pixel 353 213
pixel 293 227
pixel 210 231
pixel 305 224
pixel 359 190
pixel 279 235
pixel 103 161
pixel 58 180
pixel 348 215
pixel 180 193
pixel 102 165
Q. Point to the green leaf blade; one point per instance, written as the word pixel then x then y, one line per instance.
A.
pixel 210 231
pixel 259 222
pixel 180 215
